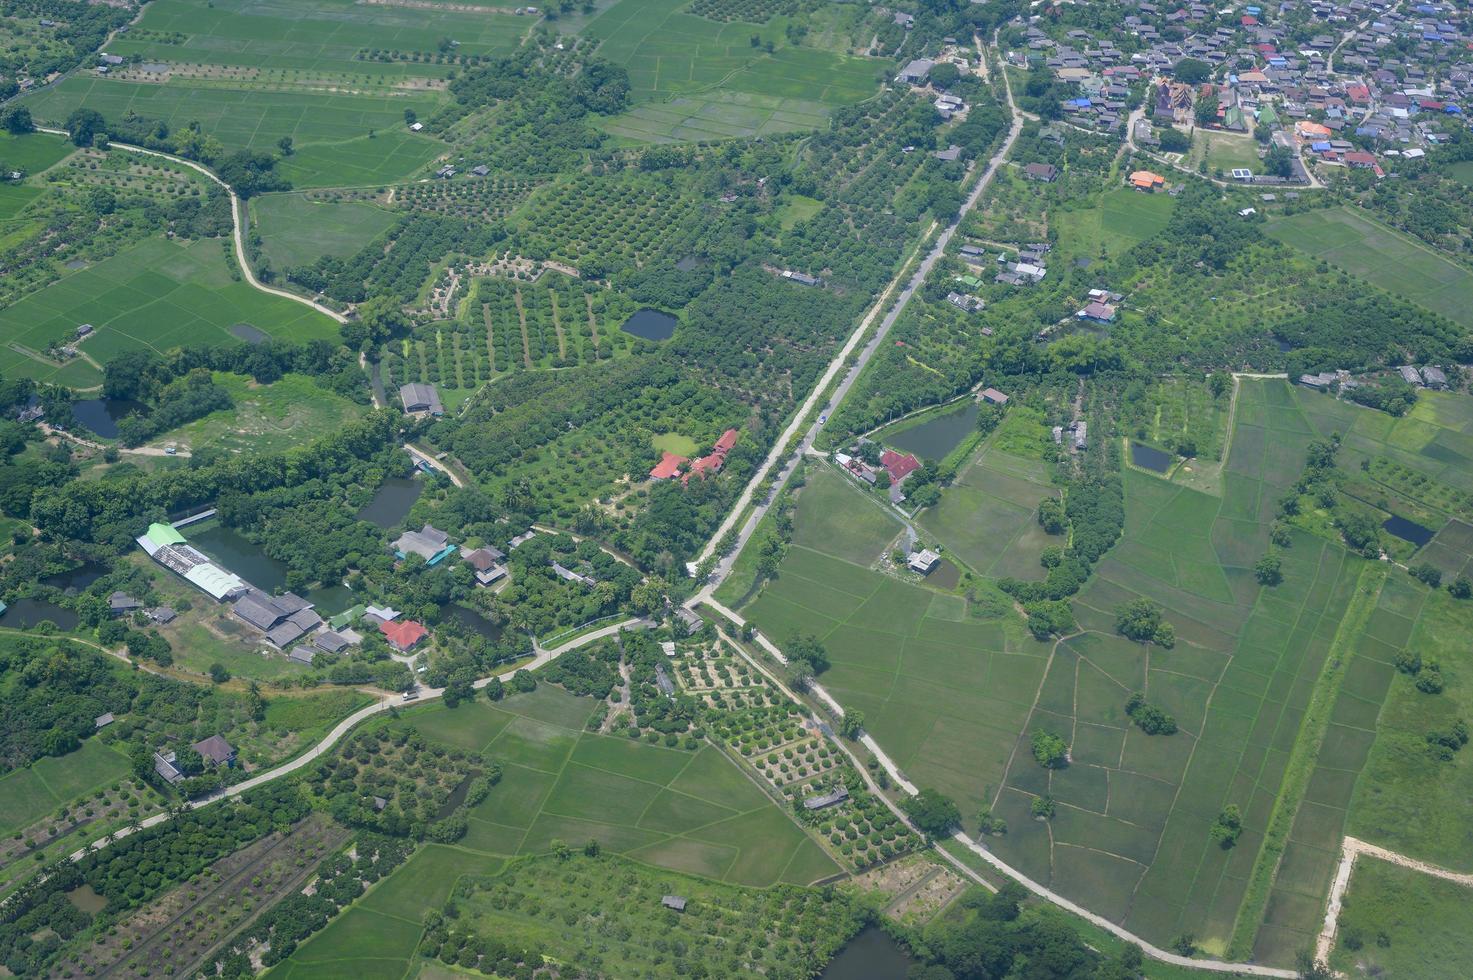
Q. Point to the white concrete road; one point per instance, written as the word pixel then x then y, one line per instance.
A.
pixel 343 727
pixel 723 567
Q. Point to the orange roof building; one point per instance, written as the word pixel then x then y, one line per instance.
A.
pixel 704 465
pixel 1144 180
pixel 1305 129
pixel 403 634
pixel 726 442
pixel 668 467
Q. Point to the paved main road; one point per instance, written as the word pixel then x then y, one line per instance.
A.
pixel 385 703
pixel 723 567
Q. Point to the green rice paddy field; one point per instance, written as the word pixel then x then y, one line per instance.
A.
pixel 686 811
pixel 700 79
pixel 954 699
pixel 296 231
pixel 1122 219
pixel 154 295
pixel 317 35
pixel 1382 256
pixel 988 519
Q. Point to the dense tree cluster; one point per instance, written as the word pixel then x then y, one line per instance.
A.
pixel 1141 620
pixel 933 812
pixel 338 881
pixel 38 918
pixel 1151 719
pixel 998 937
pixel 397 264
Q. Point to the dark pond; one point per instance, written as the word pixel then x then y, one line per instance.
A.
pixel 471 621
pixel 235 553
pixel 457 797
pixel 939 434
pixel 248 333
pixel 78 578
pixel 1283 345
pixel 651 324
pixel 102 415
pixel 392 502
pixel 29 612
pixel 1407 530
pixel 687 264
pixel 945 575
pixel 1150 457
pixel 871 955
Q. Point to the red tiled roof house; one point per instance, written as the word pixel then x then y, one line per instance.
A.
pixel 899 467
pixel 403 634
pixel 668 467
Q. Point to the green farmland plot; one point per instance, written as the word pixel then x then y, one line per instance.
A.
pixel 1122 219
pixel 945 692
pixel 988 518
pixel 1383 256
pixel 715 84
pixel 317 35
pixel 331 131
pixel 296 231
pixel 1131 836
pixel 1398 922
pixel 27 795
pixel 687 811
pixel 154 295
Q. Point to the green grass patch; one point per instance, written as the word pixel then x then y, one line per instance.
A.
pixel 154 295
pixel 266 418
pixel 674 442
pixel 297 231
pixel 33 152
pixel 1383 256
pixel 1398 922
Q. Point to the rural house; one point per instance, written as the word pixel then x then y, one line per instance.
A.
pixel 486 562
pixel 283 619
pixel 429 542
pixel 421 399
pixel 827 799
pixel 215 750
pixel 121 604
pixel 668 468
pixel 1045 172
pixel 403 634
pixel 899 467
pixel 1146 181
pixel 923 561
pixel 994 397
pixel 916 72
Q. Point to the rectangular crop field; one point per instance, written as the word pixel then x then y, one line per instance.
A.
pixel 154 295
pixel 1383 256
pixel 317 35
pixel 331 131
pixel 1398 922
pixel 683 810
pixel 27 795
pixel 669 52
pixel 296 231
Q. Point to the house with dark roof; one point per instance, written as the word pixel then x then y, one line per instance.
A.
pixel 994 397
pixel 163 764
pixel 121 604
pixel 1045 172
pixel 283 619
pixel 827 799
pixel 674 902
pixel 215 750
pixel 301 654
pixel 103 720
pixel 421 399
pixel 331 641
pixel 486 563
pixel 429 542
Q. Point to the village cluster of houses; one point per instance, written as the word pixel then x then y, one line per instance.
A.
pixel 1399 81
pixel 1028 267
pixel 672 465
